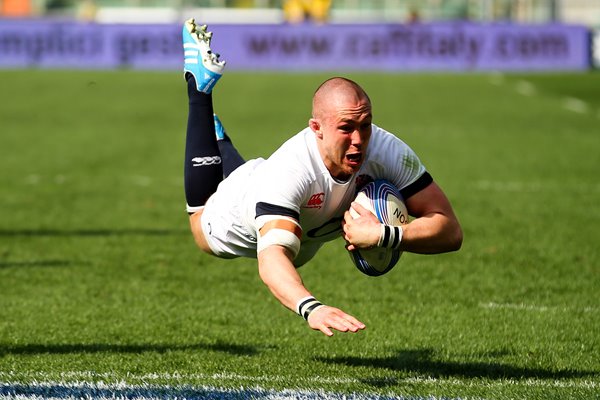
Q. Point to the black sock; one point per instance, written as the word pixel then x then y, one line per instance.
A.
pixel 231 158
pixel 203 169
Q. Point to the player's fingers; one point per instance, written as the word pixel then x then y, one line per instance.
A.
pixel 318 320
pixel 346 227
pixel 326 330
pixel 359 208
pixel 345 323
pixel 347 218
pixel 354 322
pixel 326 318
pixel 344 326
pixel 363 212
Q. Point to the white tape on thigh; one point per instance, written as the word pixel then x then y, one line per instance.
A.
pixel 281 237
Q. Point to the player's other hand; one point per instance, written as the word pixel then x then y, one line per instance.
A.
pixel 326 318
pixel 362 232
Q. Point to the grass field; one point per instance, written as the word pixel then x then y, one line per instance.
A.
pixel 103 294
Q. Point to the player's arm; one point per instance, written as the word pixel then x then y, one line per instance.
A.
pixel 435 228
pixel 276 250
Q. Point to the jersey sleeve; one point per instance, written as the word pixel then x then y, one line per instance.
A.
pixel 401 165
pixel 280 192
pixel 284 179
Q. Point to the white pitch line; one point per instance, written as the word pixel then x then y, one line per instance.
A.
pixel 575 105
pixel 141 180
pixel 510 306
pixel 525 88
pixel 533 307
pixel 32 179
pixel 516 186
pixel 175 376
pixel 121 390
pixel 35 179
pixel 496 78
pixel 509 186
pixel 79 377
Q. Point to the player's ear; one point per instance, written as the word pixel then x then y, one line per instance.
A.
pixel 315 126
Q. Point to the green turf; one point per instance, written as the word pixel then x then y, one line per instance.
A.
pixel 99 277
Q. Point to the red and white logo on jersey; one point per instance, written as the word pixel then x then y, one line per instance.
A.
pixel 315 201
pixel 362 180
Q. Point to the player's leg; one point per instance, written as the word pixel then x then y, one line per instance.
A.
pixel 203 169
pixel 229 155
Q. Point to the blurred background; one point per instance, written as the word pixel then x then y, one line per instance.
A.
pixel 524 35
pixel 585 12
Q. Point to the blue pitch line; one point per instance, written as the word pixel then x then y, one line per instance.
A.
pixel 90 391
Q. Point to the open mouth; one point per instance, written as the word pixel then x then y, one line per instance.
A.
pixel 354 158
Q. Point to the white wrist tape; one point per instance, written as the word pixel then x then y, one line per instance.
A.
pixel 391 236
pixel 307 305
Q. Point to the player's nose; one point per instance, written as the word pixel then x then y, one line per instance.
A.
pixel 356 138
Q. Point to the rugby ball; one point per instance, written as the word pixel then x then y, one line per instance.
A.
pixel 383 199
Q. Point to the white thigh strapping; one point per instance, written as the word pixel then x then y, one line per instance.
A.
pixel 223 233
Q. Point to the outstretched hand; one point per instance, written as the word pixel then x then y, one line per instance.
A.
pixel 326 318
pixel 361 232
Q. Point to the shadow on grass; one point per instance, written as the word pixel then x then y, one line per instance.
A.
pixel 38 349
pixel 39 263
pixel 421 362
pixel 92 232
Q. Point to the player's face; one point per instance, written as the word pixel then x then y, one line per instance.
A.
pixel 343 137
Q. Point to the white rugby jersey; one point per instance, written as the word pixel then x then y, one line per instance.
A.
pixel 295 182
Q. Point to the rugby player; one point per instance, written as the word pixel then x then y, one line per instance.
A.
pixel 282 209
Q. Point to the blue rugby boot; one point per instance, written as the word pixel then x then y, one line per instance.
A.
pixel 200 61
